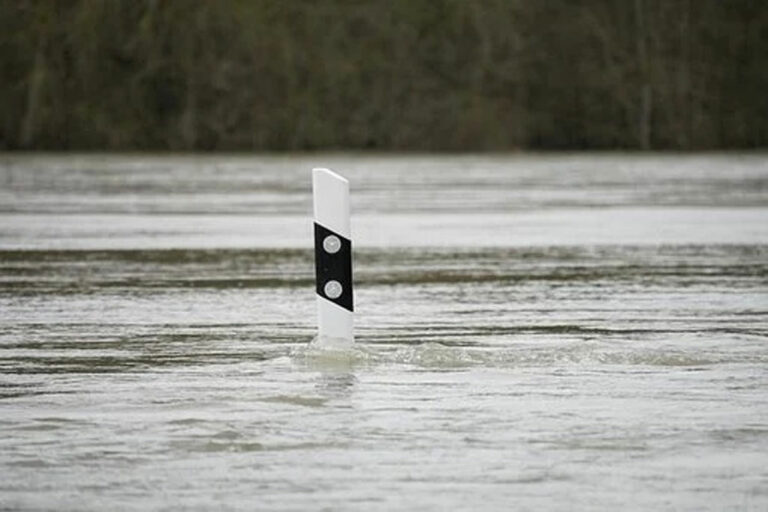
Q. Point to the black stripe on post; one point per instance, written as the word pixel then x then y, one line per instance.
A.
pixel 333 266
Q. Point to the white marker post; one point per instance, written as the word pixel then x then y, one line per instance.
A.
pixel 333 258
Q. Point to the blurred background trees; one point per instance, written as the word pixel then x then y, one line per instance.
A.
pixel 383 75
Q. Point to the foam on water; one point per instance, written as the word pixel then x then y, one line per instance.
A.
pixel 430 354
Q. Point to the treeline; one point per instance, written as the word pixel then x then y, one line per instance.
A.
pixel 383 75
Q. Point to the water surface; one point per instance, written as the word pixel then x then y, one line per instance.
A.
pixel 533 332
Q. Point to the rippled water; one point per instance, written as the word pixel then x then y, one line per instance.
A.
pixel 534 332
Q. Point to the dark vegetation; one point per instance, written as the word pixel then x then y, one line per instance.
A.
pixel 383 75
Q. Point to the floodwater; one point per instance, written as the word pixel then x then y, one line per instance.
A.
pixel 547 332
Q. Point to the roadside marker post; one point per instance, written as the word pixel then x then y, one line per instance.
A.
pixel 333 258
